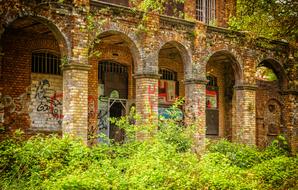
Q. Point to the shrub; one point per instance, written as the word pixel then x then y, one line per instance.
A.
pixel 163 161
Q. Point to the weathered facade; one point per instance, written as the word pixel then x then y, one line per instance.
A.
pixel 67 67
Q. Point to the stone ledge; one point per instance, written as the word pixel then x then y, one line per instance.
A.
pixel 80 67
pixel 246 87
pixel 147 75
pixel 176 20
pixel 292 92
pixel 224 31
pixel 196 81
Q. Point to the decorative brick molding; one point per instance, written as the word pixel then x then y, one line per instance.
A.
pixel 147 75
pixel 245 87
pixel 80 67
pixel 196 81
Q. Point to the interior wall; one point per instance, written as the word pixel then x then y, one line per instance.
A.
pixel 19 86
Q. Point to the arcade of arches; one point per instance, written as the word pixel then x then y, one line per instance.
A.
pixel 49 84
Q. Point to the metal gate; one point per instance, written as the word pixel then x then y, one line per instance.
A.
pixel 107 104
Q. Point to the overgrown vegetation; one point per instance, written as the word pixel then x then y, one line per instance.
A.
pixel 163 160
pixel 267 18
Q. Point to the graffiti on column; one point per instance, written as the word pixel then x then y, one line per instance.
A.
pixel 152 90
pixel 92 110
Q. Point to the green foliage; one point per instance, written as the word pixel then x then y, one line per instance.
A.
pixel 267 18
pixel 164 160
pixel 157 6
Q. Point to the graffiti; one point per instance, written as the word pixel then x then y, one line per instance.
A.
pixel 49 103
pixel 56 106
pixel 151 92
pixel 9 105
pixel 102 119
pixel 166 91
pixel 92 108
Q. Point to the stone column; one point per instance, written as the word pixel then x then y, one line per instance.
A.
pixel 244 129
pixel 147 97
pixel 195 105
pixel 75 101
pixel 291 119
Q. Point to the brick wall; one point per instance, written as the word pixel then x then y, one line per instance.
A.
pixel 268 93
pixel 46 103
pixel 19 85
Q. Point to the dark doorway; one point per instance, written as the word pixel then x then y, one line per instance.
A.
pixel 116 111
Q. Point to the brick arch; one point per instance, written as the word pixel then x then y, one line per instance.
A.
pixel 235 64
pixel 278 69
pixel 60 36
pixel 185 55
pixel 132 45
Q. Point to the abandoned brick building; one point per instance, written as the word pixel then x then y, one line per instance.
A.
pixel 67 67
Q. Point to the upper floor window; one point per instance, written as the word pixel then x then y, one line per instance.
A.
pixel 45 62
pixel 206 10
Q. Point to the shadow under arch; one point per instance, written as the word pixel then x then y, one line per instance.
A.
pixel 226 57
pixel 224 72
pixel 115 37
pixel 63 41
pixel 184 53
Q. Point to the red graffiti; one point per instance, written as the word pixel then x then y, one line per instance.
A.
pixel 92 107
pixel 56 105
pixel 152 91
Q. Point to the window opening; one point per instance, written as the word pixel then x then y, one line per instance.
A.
pixel 110 67
pixel 45 62
pixel 167 74
pixel 206 10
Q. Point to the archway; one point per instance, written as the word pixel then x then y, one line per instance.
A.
pixel 270 80
pixel 223 73
pixel 31 80
pixel 111 82
pixel 173 60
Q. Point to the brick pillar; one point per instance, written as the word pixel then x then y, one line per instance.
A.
pixel 291 119
pixel 245 114
pixel 195 104
pixel 147 97
pixel 75 100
